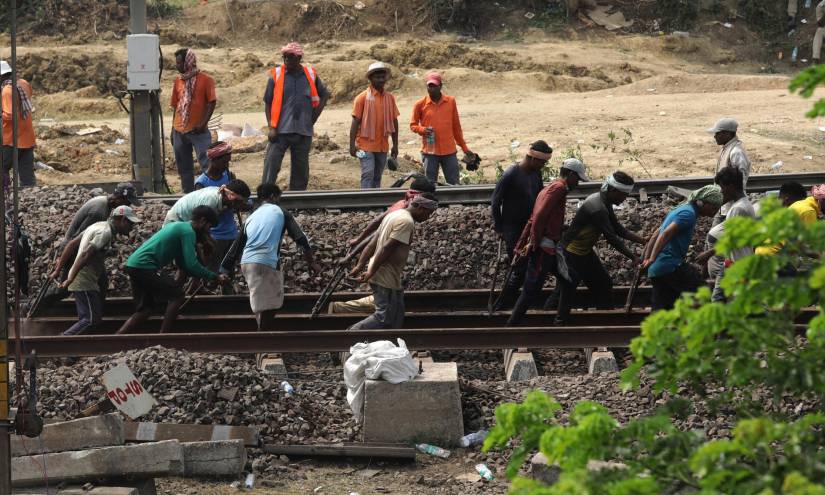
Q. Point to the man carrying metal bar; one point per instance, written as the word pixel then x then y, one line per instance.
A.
pixel 25 136
pixel 193 102
pixel 387 254
pixel 511 205
pixel 595 218
pixel 542 233
pixel 174 242
pixel 97 209
pixel 260 245
pixel 89 263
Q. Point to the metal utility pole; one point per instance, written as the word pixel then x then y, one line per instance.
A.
pixel 144 119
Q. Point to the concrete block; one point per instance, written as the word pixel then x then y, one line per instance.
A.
pixel 519 365
pixel 541 469
pixel 155 432
pixel 425 409
pixel 101 490
pixel 132 461
pixel 273 365
pixel 78 434
pixel 214 459
pixel 602 362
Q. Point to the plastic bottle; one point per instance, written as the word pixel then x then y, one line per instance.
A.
pixel 249 482
pixel 433 450
pixel 794 54
pixel 484 472
pixel 287 388
pixel 361 154
pixel 473 438
pixel 431 141
pixel 807 4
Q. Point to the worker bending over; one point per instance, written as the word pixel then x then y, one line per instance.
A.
pixel 89 253
pixel 542 233
pixel 666 252
pixel 595 218
pixel 175 242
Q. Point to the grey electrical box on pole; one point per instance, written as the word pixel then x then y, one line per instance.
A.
pixel 144 112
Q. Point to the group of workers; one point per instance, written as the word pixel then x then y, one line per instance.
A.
pixel 295 97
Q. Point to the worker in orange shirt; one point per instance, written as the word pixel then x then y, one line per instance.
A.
pixel 193 101
pixel 25 129
pixel 435 118
pixel 374 121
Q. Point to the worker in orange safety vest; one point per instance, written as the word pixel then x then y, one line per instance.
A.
pixel 294 99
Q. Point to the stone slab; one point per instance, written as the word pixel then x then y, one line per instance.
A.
pixel 214 459
pixel 426 409
pixel 154 432
pixel 519 365
pixel 127 461
pixel 78 434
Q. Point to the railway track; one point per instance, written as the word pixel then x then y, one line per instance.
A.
pixel 355 199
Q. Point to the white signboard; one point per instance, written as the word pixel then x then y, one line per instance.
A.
pixel 126 392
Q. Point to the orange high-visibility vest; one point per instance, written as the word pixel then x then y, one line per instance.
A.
pixel 278 97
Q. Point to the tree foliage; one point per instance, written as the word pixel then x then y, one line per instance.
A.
pixel 742 350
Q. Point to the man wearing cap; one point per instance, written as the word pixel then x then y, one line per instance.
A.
pixel 174 242
pixel 294 99
pixel 512 204
pixel 89 266
pixel 193 101
pixel 595 218
pixel 97 209
pixel 733 151
pixel 387 254
pixel 542 233
pixel 218 174
pixel 374 118
pixel 435 118
pixel 25 127
pixel 231 196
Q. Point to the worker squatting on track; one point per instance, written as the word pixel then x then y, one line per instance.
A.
pixel 205 236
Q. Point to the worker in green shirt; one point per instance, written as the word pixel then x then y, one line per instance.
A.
pixel 174 242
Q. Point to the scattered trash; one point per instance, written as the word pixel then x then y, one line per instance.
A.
pixel 822 129
pixel 248 130
pixel 484 472
pixel 318 489
pixel 808 157
pixel 287 388
pixel 112 152
pixel 236 485
pixel 662 113
pixel 412 141
pixel 529 15
pixel 807 4
pixel 432 450
pixel 650 90
pixel 43 166
pixel 727 25
pixel 777 165
pixel 249 482
pixel 515 144
pixel 120 141
pixel 602 15
pixel 359 5
pixel 804 21
pixel 473 438
pixel 681 34
pixel 368 473
pixel 804 60
pixel 794 54
pixel 361 154
pixel 469 477
pixel 88 130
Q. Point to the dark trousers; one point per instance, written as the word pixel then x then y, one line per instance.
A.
pixel 183 145
pixel 509 291
pixel 298 147
pixel 668 288
pixel 587 269
pixel 55 294
pixel 540 265
pixel 25 163
pixel 89 311
pixel 448 163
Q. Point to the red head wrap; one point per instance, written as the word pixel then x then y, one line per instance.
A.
pixel 219 150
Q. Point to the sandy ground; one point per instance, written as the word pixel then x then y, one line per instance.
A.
pixel 665 97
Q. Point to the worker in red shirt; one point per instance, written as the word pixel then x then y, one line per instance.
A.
pixel 435 118
pixel 542 233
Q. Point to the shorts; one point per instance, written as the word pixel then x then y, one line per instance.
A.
pixel 266 286
pixel 150 289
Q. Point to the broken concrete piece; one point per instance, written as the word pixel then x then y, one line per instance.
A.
pixel 212 459
pixel 543 471
pixel 78 434
pixel 133 461
pixel 426 409
pixel 154 432
pixel 602 16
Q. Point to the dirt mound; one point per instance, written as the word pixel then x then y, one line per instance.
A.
pixel 80 20
pixel 71 149
pixel 53 72
pixel 175 35
pixel 703 83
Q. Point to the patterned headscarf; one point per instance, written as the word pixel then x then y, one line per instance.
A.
pixel 708 194
pixel 26 106
pixel 190 70
pixel 292 48
pixel 218 150
pixel 818 192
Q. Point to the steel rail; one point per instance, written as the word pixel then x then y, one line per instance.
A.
pixel 301 303
pixel 336 340
pixel 354 199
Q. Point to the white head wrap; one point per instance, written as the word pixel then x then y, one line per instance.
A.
pixel 610 181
